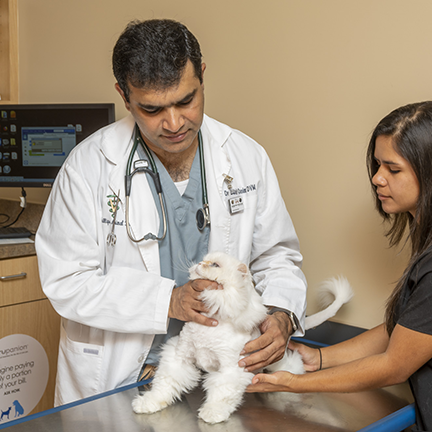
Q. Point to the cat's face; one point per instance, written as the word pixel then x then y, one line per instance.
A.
pixel 237 302
pixel 220 267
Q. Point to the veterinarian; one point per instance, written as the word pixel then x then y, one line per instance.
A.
pixel 113 262
pixel 399 163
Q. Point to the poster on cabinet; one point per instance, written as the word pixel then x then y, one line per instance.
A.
pixel 24 370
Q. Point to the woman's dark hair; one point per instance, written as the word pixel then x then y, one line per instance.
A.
pixel 153 54
pixel 410 128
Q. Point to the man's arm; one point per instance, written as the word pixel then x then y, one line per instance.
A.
pixel 276 268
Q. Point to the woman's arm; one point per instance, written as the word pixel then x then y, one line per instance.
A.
pixel 371 342
pixel 407 351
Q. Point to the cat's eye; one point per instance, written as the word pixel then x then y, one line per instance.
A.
pixel 214 264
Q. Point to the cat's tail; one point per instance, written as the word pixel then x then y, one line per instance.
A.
pixel 341 290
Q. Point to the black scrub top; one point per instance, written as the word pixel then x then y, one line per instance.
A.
pixel 414 312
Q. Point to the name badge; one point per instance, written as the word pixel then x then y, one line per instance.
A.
pixel 236 205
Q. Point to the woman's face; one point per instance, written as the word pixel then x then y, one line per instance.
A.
pixel 396 183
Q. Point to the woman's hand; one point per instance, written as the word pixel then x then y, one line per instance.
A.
pixel 311 356
pixel 276 382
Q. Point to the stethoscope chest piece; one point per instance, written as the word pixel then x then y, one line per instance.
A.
pixel 203 217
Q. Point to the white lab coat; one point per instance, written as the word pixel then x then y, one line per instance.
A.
pixel 112 299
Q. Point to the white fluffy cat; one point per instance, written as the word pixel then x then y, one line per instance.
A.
pixel 216 350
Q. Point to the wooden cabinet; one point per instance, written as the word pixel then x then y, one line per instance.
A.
pixel 8 51
pixel 24 309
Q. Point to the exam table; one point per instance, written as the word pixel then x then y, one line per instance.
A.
pixel 382 410
pixel 377 410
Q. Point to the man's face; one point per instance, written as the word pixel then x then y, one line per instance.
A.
pixel 169 119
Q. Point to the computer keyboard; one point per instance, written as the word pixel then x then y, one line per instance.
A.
pixel 14 232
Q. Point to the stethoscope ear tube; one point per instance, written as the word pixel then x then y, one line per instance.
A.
pixel 155 176
pixel 203 214
pixel 157 182
pixel 128 186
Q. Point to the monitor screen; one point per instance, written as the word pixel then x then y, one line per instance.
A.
pixel 36 139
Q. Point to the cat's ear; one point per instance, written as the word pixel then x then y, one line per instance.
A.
pixel 242 268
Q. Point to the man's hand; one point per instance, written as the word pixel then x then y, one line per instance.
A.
pixel 186 304
pixel 271 345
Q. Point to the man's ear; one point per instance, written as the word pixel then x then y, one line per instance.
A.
pixel 203 68
pixel 121 92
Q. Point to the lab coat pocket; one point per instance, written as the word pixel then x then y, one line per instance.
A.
pixel 242 226
pixel 79 369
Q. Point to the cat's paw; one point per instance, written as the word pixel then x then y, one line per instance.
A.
pixel 215 413
pixel 144 404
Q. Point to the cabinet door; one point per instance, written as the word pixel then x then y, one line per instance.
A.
pixel 8 51
pixel 19 281
pixel 38 320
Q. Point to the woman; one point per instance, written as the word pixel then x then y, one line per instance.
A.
pixel 399 160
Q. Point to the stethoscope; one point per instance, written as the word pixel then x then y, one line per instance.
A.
pixel 141 165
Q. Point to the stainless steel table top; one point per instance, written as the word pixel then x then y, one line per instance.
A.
pixel 259 413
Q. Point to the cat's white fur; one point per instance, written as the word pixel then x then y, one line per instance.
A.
pixel 216 350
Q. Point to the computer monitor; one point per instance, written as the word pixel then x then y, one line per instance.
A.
pixel 36 139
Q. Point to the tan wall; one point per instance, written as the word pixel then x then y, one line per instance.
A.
pixel 307 79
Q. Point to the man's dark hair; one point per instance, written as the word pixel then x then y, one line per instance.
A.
pixel 153 54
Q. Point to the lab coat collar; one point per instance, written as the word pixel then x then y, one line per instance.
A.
pixel 116 147
pixel 217 163
pixel 217 160
pixel 145 216
pixel 117 140
pixel 117 143
pixel 217 133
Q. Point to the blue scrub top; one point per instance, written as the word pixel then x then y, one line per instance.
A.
pixel 183 244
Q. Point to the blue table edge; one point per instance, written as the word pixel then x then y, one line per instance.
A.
pixel 73 404
pixel 395 422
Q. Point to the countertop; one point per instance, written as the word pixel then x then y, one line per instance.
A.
pixel 30 219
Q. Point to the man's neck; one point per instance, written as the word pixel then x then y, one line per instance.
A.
pixel 179 165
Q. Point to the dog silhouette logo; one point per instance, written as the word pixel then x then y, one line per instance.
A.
pixel 19 410
pixel 5 413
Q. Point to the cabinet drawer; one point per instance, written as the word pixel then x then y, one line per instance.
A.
pixel 19 281
pixel 38 320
